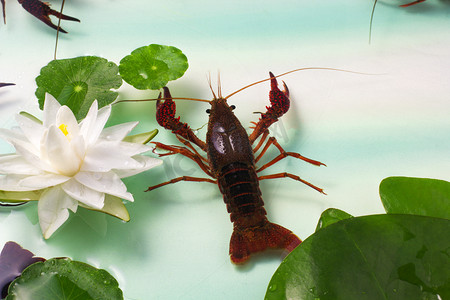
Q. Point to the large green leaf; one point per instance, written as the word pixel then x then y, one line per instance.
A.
pixel 371 257
pixel 77 82
pixel 331 216
pixel 416 196
pixel 62 278
pixel 151 67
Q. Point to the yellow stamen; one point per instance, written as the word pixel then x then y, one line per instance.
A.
pixel 63 128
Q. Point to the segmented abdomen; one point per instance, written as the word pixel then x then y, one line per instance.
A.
pixel 238 183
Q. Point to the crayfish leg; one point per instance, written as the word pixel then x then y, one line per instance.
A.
pixel 412 3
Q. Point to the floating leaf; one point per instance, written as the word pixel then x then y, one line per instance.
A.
pixel 77 82
pixel 370 257
pixel 14 196
pixel 13 260
pixel 151 67
pixel 331 216
pixel 417 196
pixel 62 278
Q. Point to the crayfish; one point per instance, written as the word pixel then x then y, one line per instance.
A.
pixel 42 11
pixel 230 163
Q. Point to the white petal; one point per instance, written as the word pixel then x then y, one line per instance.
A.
pixel 146 163
pixel 102 118
pixel 31 129
pixel 51 107
pixel 66 117
pixel 105 156
pixel 133 148
pixel 13 182
pixel 89 121
pixel 108 183
pixel 53 210
pixel 13 136
pixel 117 132
pixel 57 150
pixel 78 146
pixel 42 181
pixel 33 157
pixel 82 193
pixel 16 164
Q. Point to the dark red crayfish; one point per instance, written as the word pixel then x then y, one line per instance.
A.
pixel 42 11
pixel 231 163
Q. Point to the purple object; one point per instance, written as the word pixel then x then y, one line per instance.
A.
pixel 13 260
pixel 2 84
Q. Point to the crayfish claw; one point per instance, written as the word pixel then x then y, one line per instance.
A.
pixel 158 102
pixel 42 11
pixel 62 16
pixel 167 94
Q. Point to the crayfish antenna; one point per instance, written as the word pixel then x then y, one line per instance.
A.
pixel 210 86
pixel 219 83
pixel 58 28
pixel 371 19
pixel 288 72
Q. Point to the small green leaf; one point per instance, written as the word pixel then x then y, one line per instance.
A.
pixel 141 138
pixel 370 257
pixel 151 67
pixel 62 278
pixel 416 196
pixel 331 216
pixel 77 82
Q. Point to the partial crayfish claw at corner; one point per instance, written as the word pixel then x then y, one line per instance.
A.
pixel 42 11
pixel 2 84
pixel 3 9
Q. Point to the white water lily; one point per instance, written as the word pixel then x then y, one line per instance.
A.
pixel 65 164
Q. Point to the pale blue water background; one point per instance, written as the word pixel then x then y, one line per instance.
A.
pixel 364 127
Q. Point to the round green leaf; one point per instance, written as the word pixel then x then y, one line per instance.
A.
pixel 416 196
pixel 77 82
pixel 331 216
pixel 371 257
pixel 151 67
pixel 62 278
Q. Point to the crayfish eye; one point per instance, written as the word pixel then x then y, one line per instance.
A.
pixel 208 111
pixel 232 107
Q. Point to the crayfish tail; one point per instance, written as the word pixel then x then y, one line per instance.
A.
pixel 245 241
